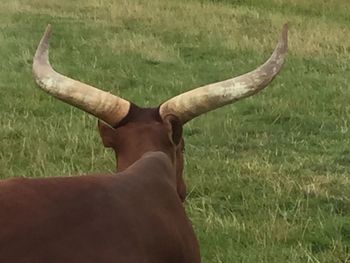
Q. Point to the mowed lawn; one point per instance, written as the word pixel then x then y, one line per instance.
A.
pixel 268 177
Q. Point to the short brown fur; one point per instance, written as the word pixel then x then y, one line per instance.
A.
pixel 133 216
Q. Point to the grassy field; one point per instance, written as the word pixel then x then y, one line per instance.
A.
pixel 269 177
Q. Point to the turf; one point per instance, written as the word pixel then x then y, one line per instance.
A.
pixel 268 176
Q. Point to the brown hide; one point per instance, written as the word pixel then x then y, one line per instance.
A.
pixel 141 131
pixel 132 216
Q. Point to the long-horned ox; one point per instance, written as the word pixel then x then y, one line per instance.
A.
pixel 135 215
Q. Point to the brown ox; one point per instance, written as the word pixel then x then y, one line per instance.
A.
pixel 135 215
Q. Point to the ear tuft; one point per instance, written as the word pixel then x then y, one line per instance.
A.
pixel 174 126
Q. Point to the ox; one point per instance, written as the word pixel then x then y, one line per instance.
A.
pixel 136 214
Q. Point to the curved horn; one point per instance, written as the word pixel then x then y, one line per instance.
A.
pixel 109 108
pixel 195 102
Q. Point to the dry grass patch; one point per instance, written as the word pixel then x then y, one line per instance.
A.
pixel 233 27
pixel 323 186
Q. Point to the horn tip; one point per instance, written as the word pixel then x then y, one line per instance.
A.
pixel 48 30
pixel 42 52
pixel 44 43
pixel 284 38
pixel 285 30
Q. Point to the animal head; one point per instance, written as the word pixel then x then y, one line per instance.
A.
pixel 132 131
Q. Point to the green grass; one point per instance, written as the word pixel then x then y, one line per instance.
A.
pixel 268 176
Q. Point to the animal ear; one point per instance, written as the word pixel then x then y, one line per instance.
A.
pixel 174 127
pixel 107 133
